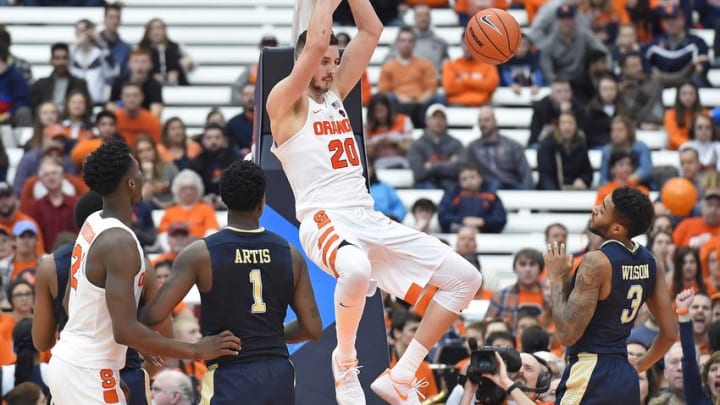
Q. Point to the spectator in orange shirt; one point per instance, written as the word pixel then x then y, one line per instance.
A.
pixel 178 236
pixel 526 292
pixel 10 215
pixel 388 132
pixel 404 325
pixel 132 119
pixel 23 263
pixel 21 296
pixel 162 273
pixel 187 329
pixel 679 118
pixel 622 166
pixel 606 18
pixel 696 231
pixel 687 272
pixel 176 147
pixel 200 217
pixel 467 81
pixel 409 81
pixel 106 124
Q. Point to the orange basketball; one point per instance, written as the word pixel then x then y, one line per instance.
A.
pixel 493 35
pixel 679 196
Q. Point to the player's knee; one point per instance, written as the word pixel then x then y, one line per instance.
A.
pixel 353 265
pixel 458 281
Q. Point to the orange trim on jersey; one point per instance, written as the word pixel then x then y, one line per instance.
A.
pixel 324 236
pixel 424 300
pixel 333 255
pixel 328 246
pixel 412 294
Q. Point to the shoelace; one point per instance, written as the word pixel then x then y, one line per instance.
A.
pixel 416 385
pixel 351 370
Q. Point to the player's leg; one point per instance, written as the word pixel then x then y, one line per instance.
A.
pixel 137 382
pixel 353 268
pixel 457 282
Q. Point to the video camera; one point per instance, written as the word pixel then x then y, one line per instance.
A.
pixel 482 360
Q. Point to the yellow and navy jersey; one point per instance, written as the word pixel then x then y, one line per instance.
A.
pixel 633 280
pixel 252 286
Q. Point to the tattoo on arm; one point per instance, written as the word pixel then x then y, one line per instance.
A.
pixel 573 309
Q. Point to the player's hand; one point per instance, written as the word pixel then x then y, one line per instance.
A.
pixel 685 298
pixel 500 377
pixel 222 344
pixel 558 262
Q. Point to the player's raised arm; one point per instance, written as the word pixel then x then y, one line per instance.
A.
pixel 356 57
pixel 117 252
pixel 572 313
pixel 660 306
pixel 308 325
pixel 185 273
pixel 283 98
pixel 45 324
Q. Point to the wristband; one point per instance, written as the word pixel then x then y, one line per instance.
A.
pixel 682 311
pixel 512 387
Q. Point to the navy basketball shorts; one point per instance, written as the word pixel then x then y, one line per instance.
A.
pixel 266 382
pixel 598 379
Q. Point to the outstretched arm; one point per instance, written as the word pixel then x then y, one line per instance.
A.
pixel 116 251
pixel 185 273
pixel 308 325
pixel 572 310
pixel 285 95
pixel 660 307
pixel 356 57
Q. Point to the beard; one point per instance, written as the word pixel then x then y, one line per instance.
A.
pixel 320 85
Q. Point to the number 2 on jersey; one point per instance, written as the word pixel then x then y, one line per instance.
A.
pixel 635 296
pixel 258 306
pixel 344 151
pixel 76 258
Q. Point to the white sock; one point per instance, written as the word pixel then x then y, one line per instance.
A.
pixel 410 361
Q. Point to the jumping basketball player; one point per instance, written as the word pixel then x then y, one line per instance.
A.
pixel 247 277
pixel 339 229
pixel 107 275
pixel 595 308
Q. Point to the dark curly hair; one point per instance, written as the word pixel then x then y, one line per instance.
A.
pixel 633 210
pixel 242 186
pixel 105 168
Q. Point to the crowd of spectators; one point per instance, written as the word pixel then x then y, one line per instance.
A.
pixel 605 63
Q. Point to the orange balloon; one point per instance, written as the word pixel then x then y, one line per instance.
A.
pixel 679 195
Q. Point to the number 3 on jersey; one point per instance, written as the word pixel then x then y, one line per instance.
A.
pixel 634 294
pixel 343 151
pixel 76 260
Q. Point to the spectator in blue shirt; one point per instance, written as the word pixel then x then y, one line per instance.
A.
pixel 471 204
pixel 385 196
pixel 523 70
pixel 119 49
pixel 14 93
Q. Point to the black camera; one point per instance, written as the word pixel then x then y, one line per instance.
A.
pixel 482 360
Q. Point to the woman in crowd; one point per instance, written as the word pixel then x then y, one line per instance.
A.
pixel 170 64
pixel 157 174
pixel 622 137
pixel 679 117
pixel 563 161
pixel 176 147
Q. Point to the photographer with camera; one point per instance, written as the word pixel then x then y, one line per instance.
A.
pixel 488 383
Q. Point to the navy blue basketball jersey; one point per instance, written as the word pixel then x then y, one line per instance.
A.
pixel 252 286
pixel 62 256
pixel 633 280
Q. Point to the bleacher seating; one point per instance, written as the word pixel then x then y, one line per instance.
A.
pixel 222 36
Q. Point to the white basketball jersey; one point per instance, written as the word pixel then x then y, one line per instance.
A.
pixel 87 340
pixel 322 161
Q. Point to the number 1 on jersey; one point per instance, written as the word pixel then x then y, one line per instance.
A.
pixel 343 152
pixel 258 306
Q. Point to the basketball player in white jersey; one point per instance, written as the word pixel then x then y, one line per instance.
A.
pixel 106 279
pixel 339 229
